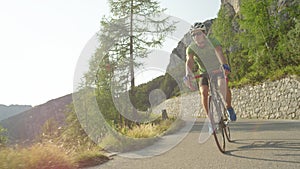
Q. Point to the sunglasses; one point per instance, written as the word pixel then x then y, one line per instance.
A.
pixel 197 33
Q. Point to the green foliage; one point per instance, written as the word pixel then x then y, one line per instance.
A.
pixel 223 27
pixel 142 92
pixel 264 43
pixel 287 71
pixel 125 36
pixel 3 136
pixel 166 83
pixel 258 37
pixel 288 47
pixel 50 129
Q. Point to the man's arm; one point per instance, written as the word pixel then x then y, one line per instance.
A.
pixel 221 57
pixel 189 64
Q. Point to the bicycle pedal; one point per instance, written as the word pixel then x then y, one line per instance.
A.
pixel 226 122
pixel 222 124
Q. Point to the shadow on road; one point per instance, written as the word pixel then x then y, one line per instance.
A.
pixel 290 147
pixel 277 149
pixel 257 144
pixel 265 125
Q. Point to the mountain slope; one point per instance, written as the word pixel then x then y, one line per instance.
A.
pixel 26 126
pixel 12 110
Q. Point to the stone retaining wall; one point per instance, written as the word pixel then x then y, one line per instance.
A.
pixel 270 100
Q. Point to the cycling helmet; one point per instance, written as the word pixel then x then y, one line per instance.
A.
pixel 198 26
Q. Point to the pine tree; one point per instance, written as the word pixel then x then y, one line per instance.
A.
pixel 136 26
pixel 258 36
pixel 127 34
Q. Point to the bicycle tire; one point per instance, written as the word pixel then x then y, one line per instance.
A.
pixel 227 133
pixel 226 126
pixel 216 122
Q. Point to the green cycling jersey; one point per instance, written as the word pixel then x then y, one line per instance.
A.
pixel 205 58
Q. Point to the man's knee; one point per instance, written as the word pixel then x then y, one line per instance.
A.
pixel 204 91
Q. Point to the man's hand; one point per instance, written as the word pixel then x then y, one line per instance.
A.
pixel 188 81
pixel 227 69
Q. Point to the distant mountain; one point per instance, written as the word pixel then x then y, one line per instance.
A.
pixel 26 126
pixel 8 111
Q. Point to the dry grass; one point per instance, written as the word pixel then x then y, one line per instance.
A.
pixel 139 136
pixel 143 131
pixel 90 158
pixel 48 156
pixel 36 157
pixel 154 130
pixel 51 156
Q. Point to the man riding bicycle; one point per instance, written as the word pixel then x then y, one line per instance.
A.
pixel 194 53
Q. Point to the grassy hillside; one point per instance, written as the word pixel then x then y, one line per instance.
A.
pixel 25 126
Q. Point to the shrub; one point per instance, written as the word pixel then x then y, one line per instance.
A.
pixel 36 157
pixel 90 158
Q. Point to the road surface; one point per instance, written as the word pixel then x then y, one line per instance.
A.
pixel 273 144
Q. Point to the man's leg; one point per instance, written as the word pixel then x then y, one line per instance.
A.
pixel 230 110
pixel 204 97
pixel 228 98
pixel 226 94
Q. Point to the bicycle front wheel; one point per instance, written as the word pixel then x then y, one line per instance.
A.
pixel 217 123
pixel 227 133
pixel 226 126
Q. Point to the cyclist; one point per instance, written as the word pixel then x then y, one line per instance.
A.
pixel 199 36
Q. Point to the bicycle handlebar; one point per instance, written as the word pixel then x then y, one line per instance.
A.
pixel 213 75
pixel 214 72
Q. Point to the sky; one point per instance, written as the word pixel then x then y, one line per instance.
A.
pixel 41 42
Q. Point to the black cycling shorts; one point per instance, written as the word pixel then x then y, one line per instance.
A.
pixel 203 80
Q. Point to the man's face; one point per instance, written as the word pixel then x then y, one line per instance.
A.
pixel 199 38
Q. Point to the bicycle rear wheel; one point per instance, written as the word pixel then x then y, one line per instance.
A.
pixel 217 123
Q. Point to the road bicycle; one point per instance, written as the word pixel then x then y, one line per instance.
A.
pixel 218 116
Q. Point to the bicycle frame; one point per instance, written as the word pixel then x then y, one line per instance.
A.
pixel 217 110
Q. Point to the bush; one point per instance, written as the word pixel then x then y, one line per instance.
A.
pixel 140 136
pixel 3 137
pixel 90 158
pixel 36 157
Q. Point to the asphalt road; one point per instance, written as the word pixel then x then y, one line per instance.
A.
pixel 256 144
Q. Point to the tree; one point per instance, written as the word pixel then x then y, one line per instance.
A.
pixel 223 29
pixel 258 36
pixel 126 35
pixel 3 137
pixel 223 26
pixel 50 129
pixel 139 25
pixel 288 23
pixel 289 47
